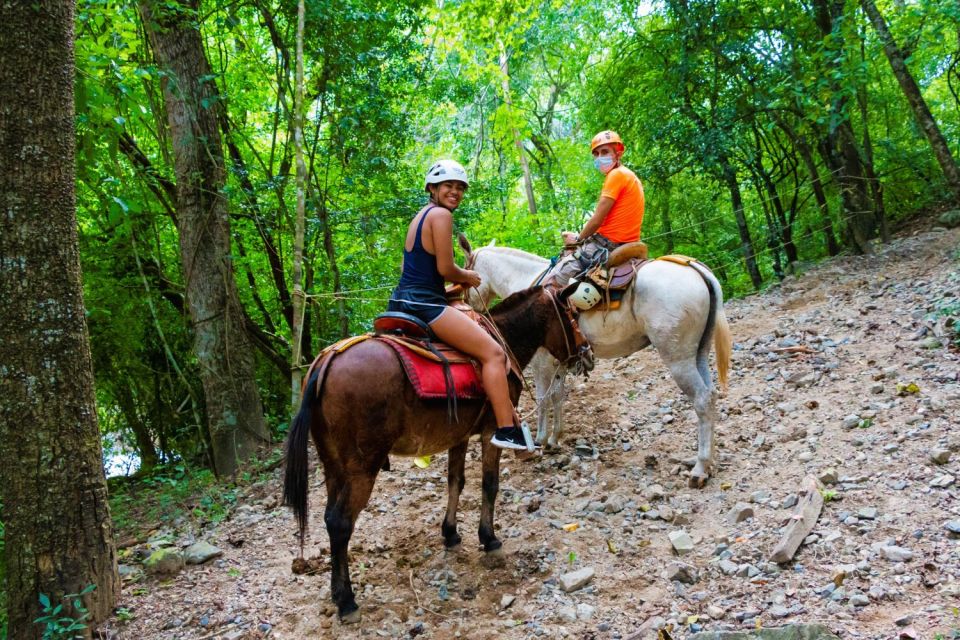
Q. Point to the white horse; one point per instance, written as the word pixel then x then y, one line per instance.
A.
pixel 670 306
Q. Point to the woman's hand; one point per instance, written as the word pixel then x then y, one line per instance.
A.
pixel 471 279
pixel 569 237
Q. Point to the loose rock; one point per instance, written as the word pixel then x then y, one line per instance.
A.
pixel 681 541
pixel 740 512
pixel 576 579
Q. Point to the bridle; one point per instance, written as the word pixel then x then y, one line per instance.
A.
pixel 579 357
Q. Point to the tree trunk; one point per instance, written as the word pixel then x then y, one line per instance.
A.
pixel 299 300
pixel 876 189
pixel 58 532
pixel 527 180
pixel 141 434
pixel 221 343
pixel 746 243
pixel 830 238
pixel 839 148
pixel 919 106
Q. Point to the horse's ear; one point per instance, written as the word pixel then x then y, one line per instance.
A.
pixel 493 243
pixel 464 244
pixel 568 291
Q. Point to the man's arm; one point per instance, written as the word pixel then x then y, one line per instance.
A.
pixel 604 205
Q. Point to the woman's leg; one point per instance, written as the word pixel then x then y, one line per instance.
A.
pixel 459 331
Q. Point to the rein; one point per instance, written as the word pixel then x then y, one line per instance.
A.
pixel 579 341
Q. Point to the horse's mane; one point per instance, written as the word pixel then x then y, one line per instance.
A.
pixel 515 300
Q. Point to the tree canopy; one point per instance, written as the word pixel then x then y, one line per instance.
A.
pixel 767 135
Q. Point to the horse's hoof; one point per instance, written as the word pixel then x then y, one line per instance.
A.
pixel 698 481
pixel 353 617
pixel 494 559
pixel 452 542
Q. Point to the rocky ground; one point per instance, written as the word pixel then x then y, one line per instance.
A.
pixel 840 373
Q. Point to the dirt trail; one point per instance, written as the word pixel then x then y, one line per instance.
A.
pixel 620 476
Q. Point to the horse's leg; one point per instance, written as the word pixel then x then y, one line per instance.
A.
pixel 557 395
pixel 687 376
pixel 542 379
pixel 490 484
pixel 455 462
pixel 345 499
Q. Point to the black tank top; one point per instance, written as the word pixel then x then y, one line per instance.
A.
pixel 419 266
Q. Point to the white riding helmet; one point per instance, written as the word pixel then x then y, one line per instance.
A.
pixel 585 297
pixel 445 170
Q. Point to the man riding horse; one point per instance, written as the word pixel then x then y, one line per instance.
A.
pixel 615 222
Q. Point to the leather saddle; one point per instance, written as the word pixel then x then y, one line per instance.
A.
pixel 615 277
pixel 436 370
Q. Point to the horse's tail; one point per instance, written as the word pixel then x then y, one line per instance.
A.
pixel 296 467
pixel 723 344
pixel 716 326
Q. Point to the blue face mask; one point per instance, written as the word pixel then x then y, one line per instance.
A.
pixel 603 163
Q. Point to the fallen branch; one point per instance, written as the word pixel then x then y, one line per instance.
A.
pixel 417 594
pixel 800 348
pixel 801 522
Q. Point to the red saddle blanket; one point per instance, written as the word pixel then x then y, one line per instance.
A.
pixel 426 375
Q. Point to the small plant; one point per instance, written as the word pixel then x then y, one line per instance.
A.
pixel 865 423
pixel 123 614
pixel 572 557
pixel 233 572
pixel 828 494
pixel 57 624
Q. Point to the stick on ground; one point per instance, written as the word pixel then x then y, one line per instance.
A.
pixel 801 522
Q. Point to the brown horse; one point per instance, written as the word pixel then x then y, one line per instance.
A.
pixel 365 409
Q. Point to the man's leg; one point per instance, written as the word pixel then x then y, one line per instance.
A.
pixel 563 271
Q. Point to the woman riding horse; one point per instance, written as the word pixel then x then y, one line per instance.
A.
pixel 427 263
pixel 360 408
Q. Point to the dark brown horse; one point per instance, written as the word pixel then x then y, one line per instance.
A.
pixel 366 409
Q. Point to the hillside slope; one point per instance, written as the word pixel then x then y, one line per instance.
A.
pixel 817 367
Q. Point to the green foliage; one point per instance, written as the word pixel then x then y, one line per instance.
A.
pixel 3 577
pixel 57 623
pixel 702 92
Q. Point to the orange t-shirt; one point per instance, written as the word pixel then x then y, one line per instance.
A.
pixel 624 220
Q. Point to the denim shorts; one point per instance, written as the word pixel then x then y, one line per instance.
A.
pixel 425 304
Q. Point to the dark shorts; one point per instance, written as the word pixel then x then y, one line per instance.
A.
pixel 425 304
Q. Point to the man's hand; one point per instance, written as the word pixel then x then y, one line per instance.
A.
pixel 569 237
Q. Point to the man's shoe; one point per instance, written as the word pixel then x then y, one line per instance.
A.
pixel 509 438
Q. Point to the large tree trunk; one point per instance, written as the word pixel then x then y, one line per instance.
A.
pixel 839 148
pixel 919 106
pixel 221 343
pixel 57 519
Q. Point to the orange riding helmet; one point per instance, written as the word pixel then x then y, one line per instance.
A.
pixel 606 137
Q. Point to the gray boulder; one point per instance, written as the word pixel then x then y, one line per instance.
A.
pixel 164 562
pixel 200 552
pixel 789 632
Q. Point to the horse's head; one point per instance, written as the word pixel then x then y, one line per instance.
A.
pixel 477 297
pixel 578 352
